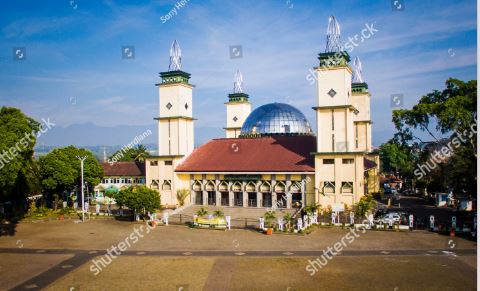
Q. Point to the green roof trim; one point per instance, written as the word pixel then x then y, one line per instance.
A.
pixel 175 117
pixel 334 59
pixel 237 97
pixel 359 87
pixel 175 77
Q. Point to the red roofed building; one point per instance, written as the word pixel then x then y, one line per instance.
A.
pixel 117 176
pixel 270 154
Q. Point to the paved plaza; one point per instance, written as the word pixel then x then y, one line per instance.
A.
pixel 58 255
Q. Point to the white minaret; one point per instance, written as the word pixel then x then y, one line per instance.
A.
pixel 334 85
pixel 339 169
pixel 238 108
pixel 361 101
pixel 175 121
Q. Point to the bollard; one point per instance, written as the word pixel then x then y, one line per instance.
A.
pixel 229 224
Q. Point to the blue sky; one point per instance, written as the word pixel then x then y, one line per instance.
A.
pixel 74 72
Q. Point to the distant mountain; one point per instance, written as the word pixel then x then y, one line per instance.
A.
pixel 91 135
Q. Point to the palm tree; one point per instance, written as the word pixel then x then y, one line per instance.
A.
pixel 140 152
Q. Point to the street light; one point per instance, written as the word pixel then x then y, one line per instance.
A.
pixel 82 159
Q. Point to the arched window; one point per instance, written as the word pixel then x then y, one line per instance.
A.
pixel 251 187
pixel 237 187
pixel 347 187
pixel 280 187
pixel 210 186
pixel 154 185
pixel 296 187
pixel 265 187
pixel 328 187
pixel 197 186
pixel 167 185
pixel 223 186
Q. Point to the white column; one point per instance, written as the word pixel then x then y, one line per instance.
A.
pixel 245 195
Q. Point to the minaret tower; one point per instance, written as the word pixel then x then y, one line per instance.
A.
pixel 334 110
pixel 238 107
pixel 361 101
pixel 175 121
pixel 338 166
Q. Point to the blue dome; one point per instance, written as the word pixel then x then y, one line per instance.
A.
pixel 276 119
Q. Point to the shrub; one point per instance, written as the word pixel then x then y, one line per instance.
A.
pixel 218 213
pixel 202 212
pixel 365 205
pixel 269 218
pixel 182 194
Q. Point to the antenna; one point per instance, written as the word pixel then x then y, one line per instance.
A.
pixel 333 36
pixel 104 154
pixel 357 76
pixel 175 57
pixel 238 82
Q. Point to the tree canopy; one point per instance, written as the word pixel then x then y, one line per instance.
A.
pixel 138 153
pixel 449 117
pixel 17 167
pixel 138 198
pixel 60 170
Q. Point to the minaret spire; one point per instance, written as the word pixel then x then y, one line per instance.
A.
pixel 175 57
pixel 333 36
pixel 238 82
pixel 357 76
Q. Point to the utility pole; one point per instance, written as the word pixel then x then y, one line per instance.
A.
pixel 82 159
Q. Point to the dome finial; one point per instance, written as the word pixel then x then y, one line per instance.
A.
pixel 238 82
pixel 175 57
pixel 357 76
pixel 333 36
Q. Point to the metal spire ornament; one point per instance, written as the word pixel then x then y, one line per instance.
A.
pixel 357 76
pixel 333 36
pixel 175 57
pixel 238 82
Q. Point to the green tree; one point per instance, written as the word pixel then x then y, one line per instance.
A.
pixel 138 153
pixel 60 170
pixel 18 171
pixel 450 113
pixel 138 199
pixel 366 204
pixel 396 158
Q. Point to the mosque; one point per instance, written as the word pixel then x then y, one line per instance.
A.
pixel 270 156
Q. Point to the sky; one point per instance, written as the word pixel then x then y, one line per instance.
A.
pixel 72 70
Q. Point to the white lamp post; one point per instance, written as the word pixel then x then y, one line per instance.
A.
pixel 82 159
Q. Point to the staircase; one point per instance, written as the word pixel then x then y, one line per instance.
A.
pixel 235 212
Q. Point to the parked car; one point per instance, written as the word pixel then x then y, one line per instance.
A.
pixel 396 217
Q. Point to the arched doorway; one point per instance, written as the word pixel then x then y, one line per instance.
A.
pixel 237 194
pixel 296 191
pixel 212 197
pixel 197 188
pixel 224 197
pixel 252 194
pixel 266 190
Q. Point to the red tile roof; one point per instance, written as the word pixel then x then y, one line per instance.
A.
pixel 131 169
pixel 263 154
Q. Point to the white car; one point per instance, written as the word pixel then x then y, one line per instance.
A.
pixel 386 218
